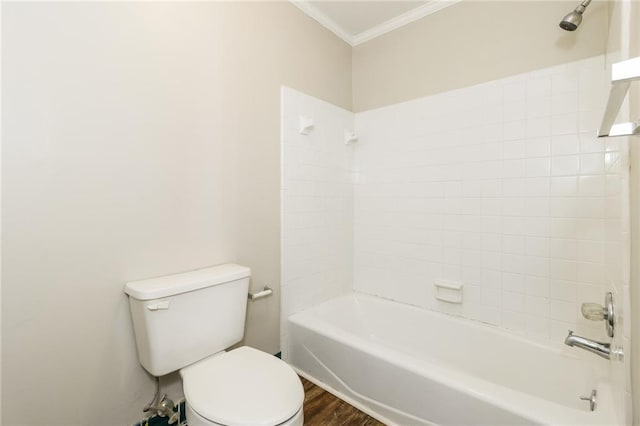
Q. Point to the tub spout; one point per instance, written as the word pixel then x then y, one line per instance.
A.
pixel 600 349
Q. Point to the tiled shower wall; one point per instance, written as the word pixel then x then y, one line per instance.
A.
pixel 316 205
pixel 500 186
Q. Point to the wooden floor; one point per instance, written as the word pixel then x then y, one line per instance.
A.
pixel 323 409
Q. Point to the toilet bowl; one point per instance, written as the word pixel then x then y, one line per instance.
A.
pixel 242 387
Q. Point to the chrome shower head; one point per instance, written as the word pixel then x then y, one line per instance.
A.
pixel 573 19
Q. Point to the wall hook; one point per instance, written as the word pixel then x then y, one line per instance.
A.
pixel 350 137
pixel 306 125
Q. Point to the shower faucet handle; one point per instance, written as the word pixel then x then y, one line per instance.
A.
pixel 593 311
pixel 597 312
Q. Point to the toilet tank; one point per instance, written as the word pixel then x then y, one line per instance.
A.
pixel 182 318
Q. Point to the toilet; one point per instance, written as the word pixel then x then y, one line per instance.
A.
pixel 186 322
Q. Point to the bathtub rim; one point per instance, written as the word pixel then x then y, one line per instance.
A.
pixel 462 381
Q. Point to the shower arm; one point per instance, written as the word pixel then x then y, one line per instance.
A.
pixel 584 4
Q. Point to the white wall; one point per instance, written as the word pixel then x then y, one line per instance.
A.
pixel 139 139
pixel 501 186
pixel 317 205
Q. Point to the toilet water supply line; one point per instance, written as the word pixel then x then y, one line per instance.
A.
pixel 155 396
pixel 164 408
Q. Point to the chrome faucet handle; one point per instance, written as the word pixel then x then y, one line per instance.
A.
pixel 597 312
pixel 592 399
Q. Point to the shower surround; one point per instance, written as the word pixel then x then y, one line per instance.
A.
pixel 501 187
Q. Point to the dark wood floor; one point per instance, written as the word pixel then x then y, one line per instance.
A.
pixel 323 409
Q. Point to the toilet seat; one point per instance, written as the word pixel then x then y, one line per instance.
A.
pixel 243 387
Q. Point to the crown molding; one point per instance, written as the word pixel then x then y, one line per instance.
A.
pixel 323 19
pixel 426 9
pixel 432 6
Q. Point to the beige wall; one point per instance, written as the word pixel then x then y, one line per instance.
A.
pixel 139 139
pixel 469 43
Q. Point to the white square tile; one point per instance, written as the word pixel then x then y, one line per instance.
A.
pixel 563 249
pixel 592 164
pixel 538 326
pixel 563 311
pixel 514 149
pixel 491 188
pixel 513 225
pixel 513 263
pixel 514 130
pixel 563 83
pixel 513 244
pixel 591 186
pixel 514 321
pixel 563 124
pixel 537 206
pixel 563 207
pixel 564 144
pixel 515 110
pixel 566 165
pixel 589 251
pixel 564 103
pixel 491 279
pixel 563 290
pixel 491 242
pixel 537 186
pixel 492 114
pixel 513 282
pixel 563 228
pixel 591 273
pixel 563 270
pixel 595 208
pixel 491 260
pixel 538 127
pixel 514 187
pixel 564 186
pixel 513 168
pixel 537 167
pixel 538 87
pixel 514 91
pixel 537 266
pixel 491 206
pixel 589 143
pixel 513 301
pixel 491 151
pixel 538 107
pixel 538 147
pixel 537 286
pixel 537 246
pixel 538 306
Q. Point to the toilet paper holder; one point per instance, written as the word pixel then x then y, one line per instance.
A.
pixel 266 292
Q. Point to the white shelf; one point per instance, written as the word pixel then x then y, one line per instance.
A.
pixel 622 75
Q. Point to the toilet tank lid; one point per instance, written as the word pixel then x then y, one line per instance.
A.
pixel 170 285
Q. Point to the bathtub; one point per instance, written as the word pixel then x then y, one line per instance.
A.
pixel 407 366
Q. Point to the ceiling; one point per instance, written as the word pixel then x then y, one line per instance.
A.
pixel 359 21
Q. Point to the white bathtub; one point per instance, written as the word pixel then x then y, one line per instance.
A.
pixel 408 366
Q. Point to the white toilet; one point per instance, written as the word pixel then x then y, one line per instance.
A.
pixel 185 322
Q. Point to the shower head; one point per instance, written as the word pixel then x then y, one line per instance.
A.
pixel 573 19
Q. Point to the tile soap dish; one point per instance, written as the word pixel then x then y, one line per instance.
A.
pixel 448 291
